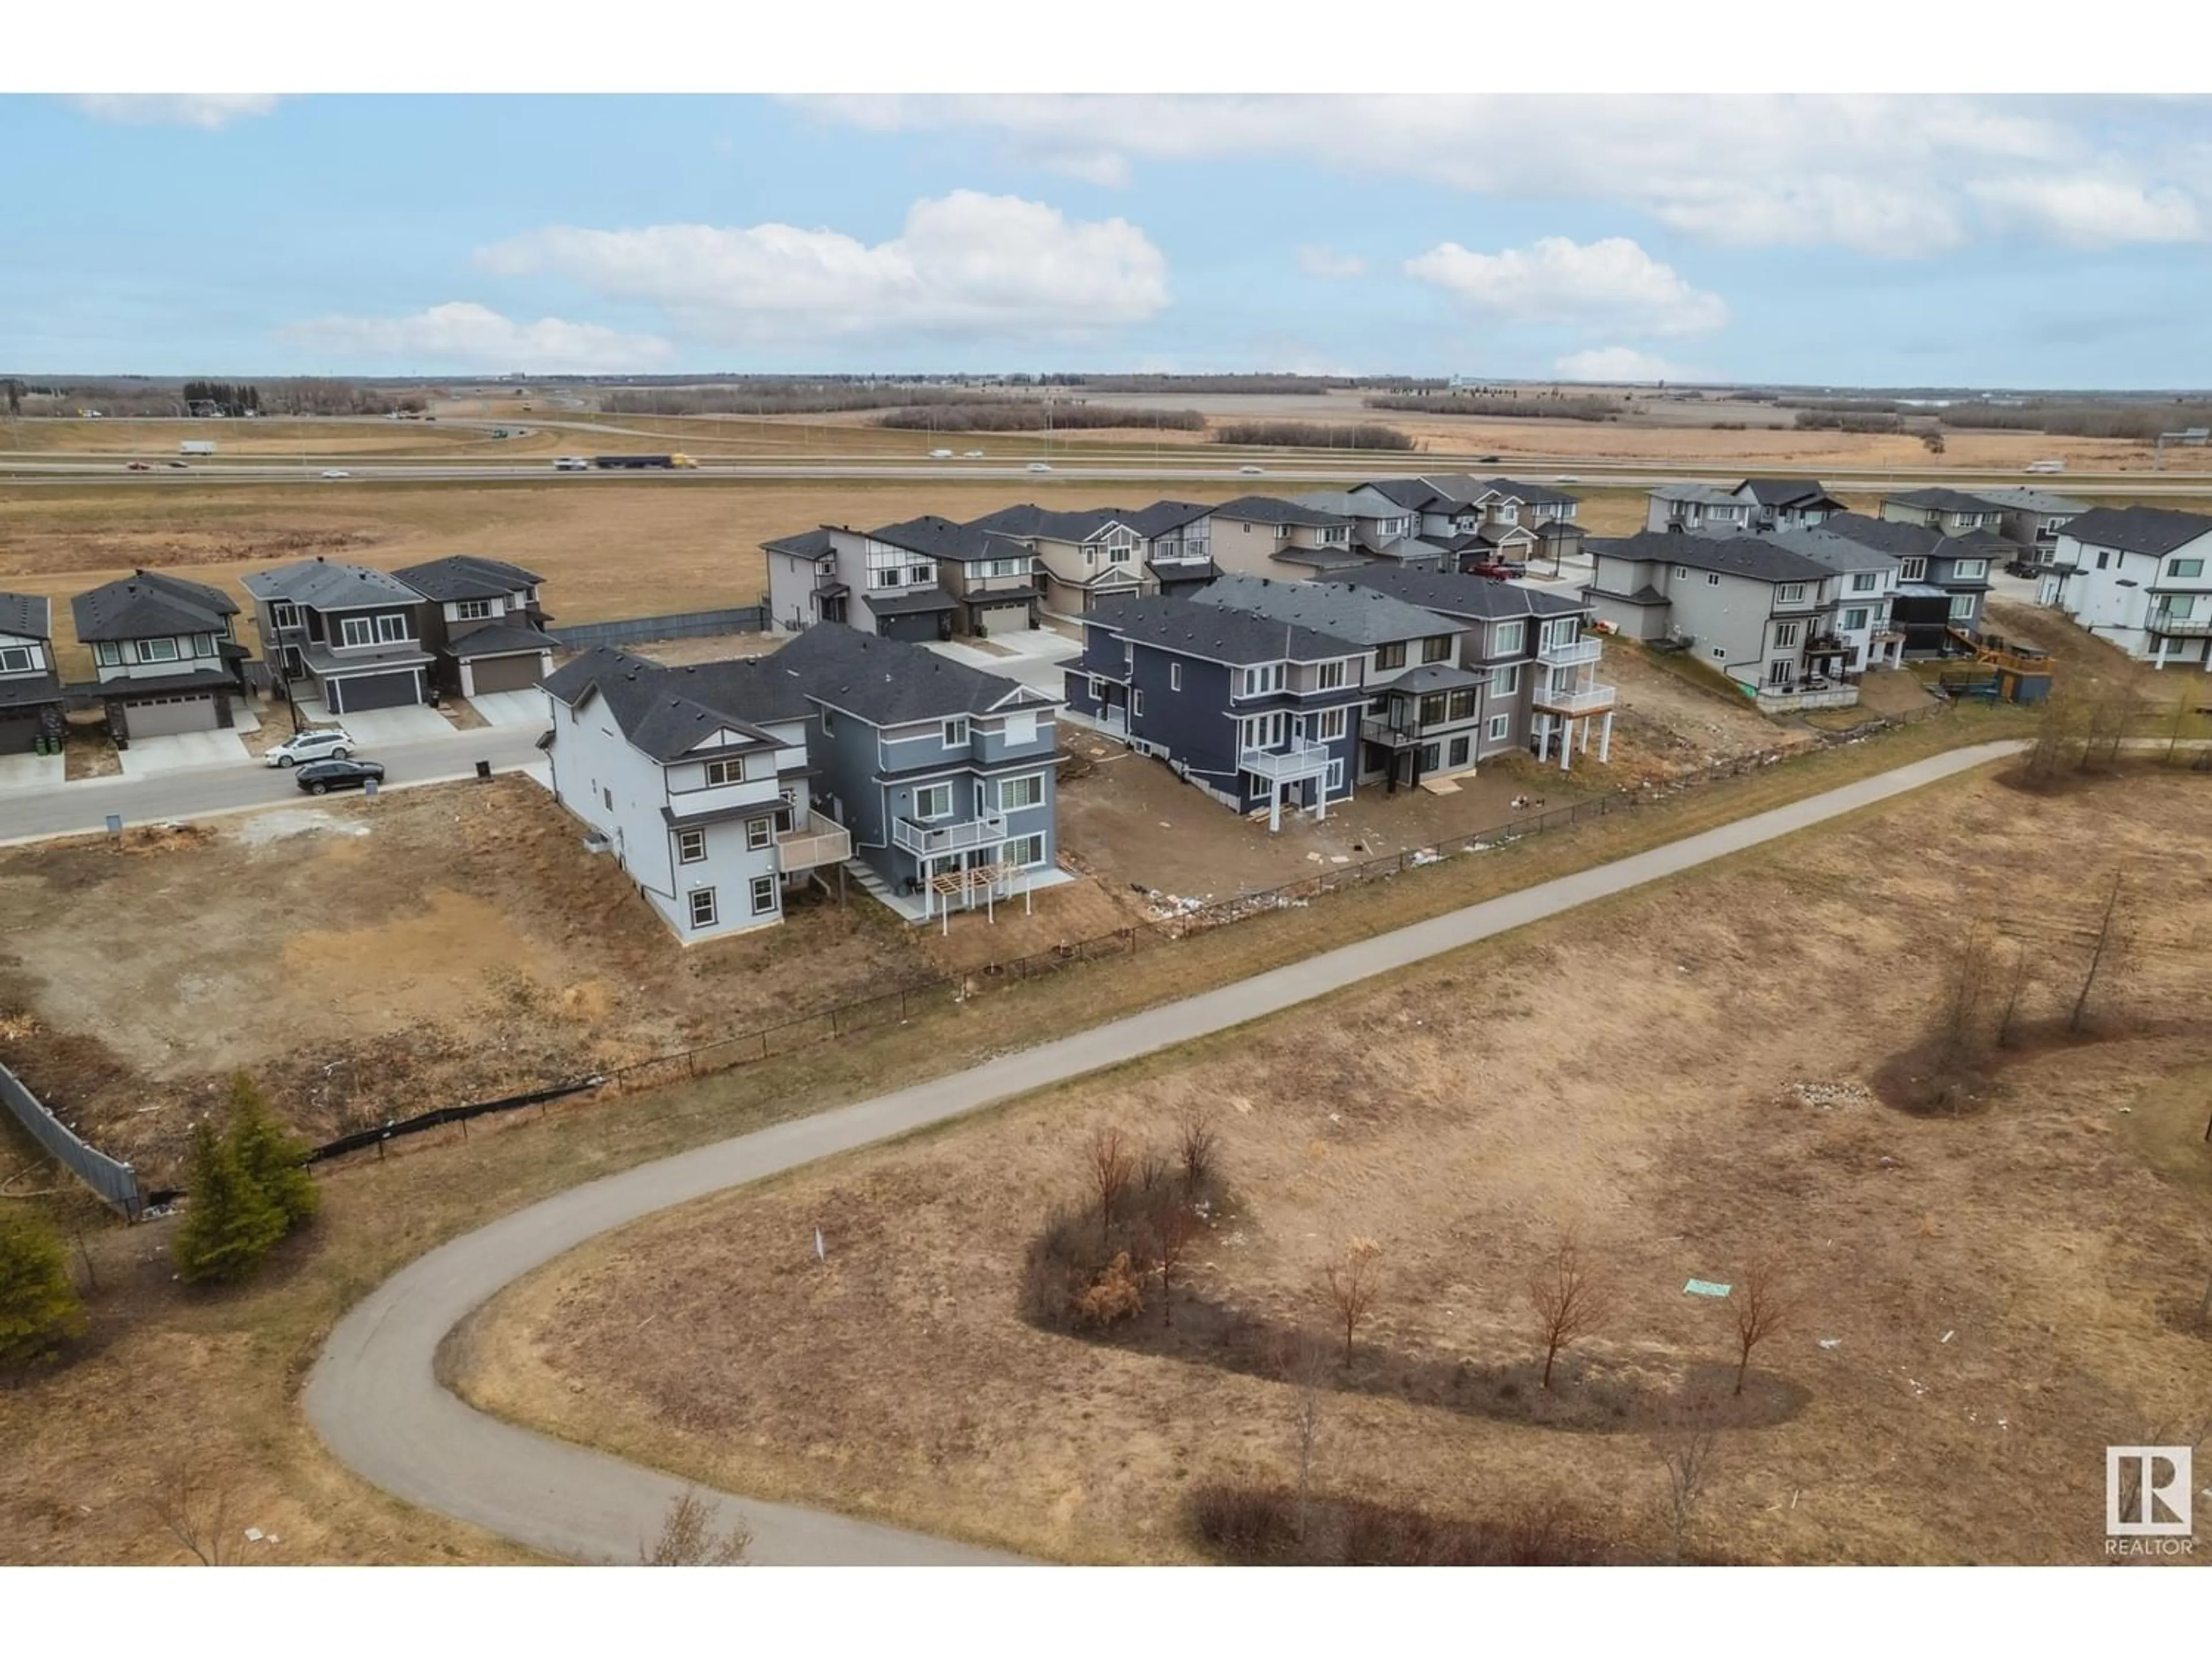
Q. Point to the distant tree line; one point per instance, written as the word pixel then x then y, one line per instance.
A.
pixel 1536 405
pixel 222 398
pixel 1307 435
pixel 1834 420
pixel 2140 422
pixel 1005 415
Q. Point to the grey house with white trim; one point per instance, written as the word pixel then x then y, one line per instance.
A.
pixel 484 623
pixel 30 691
pixel 1787 503
pixel 1950 512
pixel 1698 509
pixel 341 633
pixel 2031 519
pixel 163 654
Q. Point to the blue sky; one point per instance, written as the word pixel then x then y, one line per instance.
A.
pixel 1846 240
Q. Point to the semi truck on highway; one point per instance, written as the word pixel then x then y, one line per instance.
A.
pixel 196 446
pixel 612 462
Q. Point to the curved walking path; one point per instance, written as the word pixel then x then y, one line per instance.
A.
pixel 372 1395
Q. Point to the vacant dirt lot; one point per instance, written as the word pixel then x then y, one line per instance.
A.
pixel 371 959
pixel 1979 1305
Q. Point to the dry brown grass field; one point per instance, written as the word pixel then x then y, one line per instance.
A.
pixel 1684 1076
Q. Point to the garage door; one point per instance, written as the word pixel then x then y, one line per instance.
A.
pixel 161 717
pixel 354 696
pixel 506 673
pixel 19 733
pixel 1003 618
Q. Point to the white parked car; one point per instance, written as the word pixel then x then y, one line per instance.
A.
pixel 324 742
pixel 1040 466
pixel 336 472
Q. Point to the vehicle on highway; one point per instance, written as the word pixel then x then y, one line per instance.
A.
pixel 573 464
pixel 336 472
pixel 180 466
pixel 323 776
pixel 324 742
pixel 1040 466
pixel 2046 466
pixel 940 454
pixel 975 455
pixel 1486 460
pixel 138 467
pixel 1566 477
pixel 1255 470
pixel 640 463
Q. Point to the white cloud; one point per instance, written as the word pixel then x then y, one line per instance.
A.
pixel 1616 365
pixel 1612 284
pixel 1886 175
pixel 1104 167
pixel 965 265
pixel 1318 259
pixel 2085 209
pixel 205 110
pixel 461 334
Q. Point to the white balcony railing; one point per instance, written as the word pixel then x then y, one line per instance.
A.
pixel 1571 654
pixel 966 836
pixel 1590 699
pixel 1301 758
pixel 809 845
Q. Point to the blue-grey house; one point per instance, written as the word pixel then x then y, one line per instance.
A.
pixel 942 773
pixel 1255 711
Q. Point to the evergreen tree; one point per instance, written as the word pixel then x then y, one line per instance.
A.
pixel 272 1159
pixel 39 1306
pixel 230 1224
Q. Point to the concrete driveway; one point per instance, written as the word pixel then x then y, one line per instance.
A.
pixel 1039 655
pixel 147 756
pixel 413 724
pixel 513 708
pixel 31 771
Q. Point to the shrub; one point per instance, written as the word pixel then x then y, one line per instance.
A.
pixel 272 1159
pixel 1118 1293
pixel 39 1307
pixel 230 1223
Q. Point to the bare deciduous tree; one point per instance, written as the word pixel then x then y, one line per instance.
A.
pixel 1687 1454
pixel 1174 1228
pixel 1353 1285
pixel 2107 953
pixel 1194 1147
pixel 687 1538
pixel 1305 1364
pixel 2016 984
pixel 1762 1305
pixel 196 1510
pixel 1965 987
pixel 1566 1297
pixel 1111 1167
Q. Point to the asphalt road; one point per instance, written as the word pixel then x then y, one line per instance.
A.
pixel 373 1396
pixel 202 791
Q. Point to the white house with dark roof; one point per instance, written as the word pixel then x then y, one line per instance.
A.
pixel 1699 510
pixel 483 622
pixel 30 691
pixel 2138 576
pixel 163 653
pixel 344 634
pixel 1787 504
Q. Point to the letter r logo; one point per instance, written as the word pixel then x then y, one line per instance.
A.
pixel 2147 1492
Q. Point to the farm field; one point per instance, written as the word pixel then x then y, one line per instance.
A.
pixel 1688 1078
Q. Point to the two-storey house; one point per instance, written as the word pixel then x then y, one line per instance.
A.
pixel 1697 509
pixel 1787 503
pixel 943 774
pixel 2032 518
pixel 1178 544
pixel 1261 536
pixel 484 623
pixel 811 577
pixel 990 581
pixel 1422 708
pixel 2141 577
pixel 900 595
pixel 1941 579
pixel 1951 511
pixel 1751 609
pixel 30 690
pixel 341 634
pixel 1532 653
pixel 1867 587
pixel 163 654
pixel 697 780
pixel 1082 558
pixel 1260 715
pixel 1380 528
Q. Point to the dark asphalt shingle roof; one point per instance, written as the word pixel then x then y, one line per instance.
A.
pixel 2157 529
pixel 1216 632
pixel 1414 494
pixel 1435 676
pixel 147 604
pixel 1364 615
pixel 1943 501
pixel 321 586
pixel 1758 558
pixel 935 538
pixel 464 576
pixel 1784 492
pixel 1906 541
pixel 29 690
pixel 912 604
pixel 31 616
pixel 1162 516
pixel 1325 559
pixel 890 681
pixel 1270 509
pixel 1532 495
pixel 807 544
pixel 1836 552
pixel 1447 594
pixel 501 640
pixel 666 711
pixel 1019 519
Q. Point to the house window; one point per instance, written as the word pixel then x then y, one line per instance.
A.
pixel 2185 569
pixel 920 574
pixel 1015 794
pixel 1912 570
pixel 283 614
pixel 1962 607
pixel 956 733
pixel 2104 558
pixel 357 630
pixel 1785 635
pixel 932 801
pixel 1791 593
pixel 1136 703
pixel 1681 572
pixel 1390 656
pixel 157 651
pixel 828 724
pixel 391 627
pixel 1330 676
pixel 1854 620
pixel 702 906
pixel 1504 681
pixel 608 796
pixel 1712 578
pixel 1865 581
pixel 1462 706
pixel 1455 756
pixel 108 654
pixel 1175 677
pixel 1097 689
pixel 1778 671
pixel 720 772
pixel 691 845
pixel 1436 648
pixel 1026 851
pixel 202 644
pixel 1969 570
pixel 1258 682
pixel 1719 654
pixel 1332 723
pixel 763 895
pixel 1501 727
pixel 471 610
pixel 759 832
pixel 1505 638
pixel 15 659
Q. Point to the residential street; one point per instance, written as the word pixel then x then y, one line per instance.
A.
pixel 374 1396
pixel 77 808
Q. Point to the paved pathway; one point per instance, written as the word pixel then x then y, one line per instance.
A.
pixel 374 1400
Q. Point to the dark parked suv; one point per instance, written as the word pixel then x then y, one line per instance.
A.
pixel 320 777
